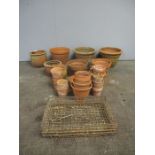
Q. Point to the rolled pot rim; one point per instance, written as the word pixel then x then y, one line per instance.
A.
pixel 55 50
pixel 48 65
pixel 70 62
pixel 111 50
pixel 37 52
pixel 84 89
pixel 84 50
pixel 72 81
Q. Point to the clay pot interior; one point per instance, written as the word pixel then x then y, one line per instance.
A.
pixel 84 50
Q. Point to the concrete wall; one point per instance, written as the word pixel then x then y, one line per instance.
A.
pixel 73 23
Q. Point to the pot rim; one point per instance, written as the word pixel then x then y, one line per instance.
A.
pixel 84 50
pixel 80 89
pixel 50 61
pixel 111 50
pixel 55 50
pixel 81 84
pixel 37 52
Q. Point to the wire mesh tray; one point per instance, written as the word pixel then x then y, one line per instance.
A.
pixel 69 117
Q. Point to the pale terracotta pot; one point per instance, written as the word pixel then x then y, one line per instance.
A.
pixel 97 91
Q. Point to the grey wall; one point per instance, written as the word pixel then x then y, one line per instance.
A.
pixel 73 23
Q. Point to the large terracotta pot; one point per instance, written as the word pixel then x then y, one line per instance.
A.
pixel 50 64
pixel 111 53
pixel 81 93
pixel 38 57
pixel 60 53
pixel 76 65
pixel 85 53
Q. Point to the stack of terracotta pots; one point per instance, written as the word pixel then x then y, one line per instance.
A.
pixel 58 72
pixel 62 87
pixel 98 74
pixel 50 64
pixel 60 53
pixel 81 84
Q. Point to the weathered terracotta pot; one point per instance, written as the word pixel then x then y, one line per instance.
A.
pixel 60 53
pixel 102 61
pixel 97 91
pixel 50 64
pixel 85 53
pixel 98 69
pixel 59 72
pixel 82 76
pixel 62 87
pixel 76 65
pixel 38 57
pixel 81 93
pixel 111 53
pixel 97 78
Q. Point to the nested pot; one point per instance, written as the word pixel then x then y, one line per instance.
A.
pixel 60 53
pixel 111 53
pixel 50 64
pixel 85 53
pixel 97 78
pixel 62 87
pixel 102 61
pixel 97 91
pixel 80 93
pixel 82 76
pixel 38 57
pixel 76 65
pixel 59 72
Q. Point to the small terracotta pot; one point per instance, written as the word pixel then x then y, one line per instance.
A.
pixel 76 65
pixel 97 91
pixel 59 72
pixel 98 69
pixel 62 87
pixel 60 53
pixel 111 53
pixel 82 76
pixel 102 61
pixel 50 64
pixel 81 93
pixel 38 58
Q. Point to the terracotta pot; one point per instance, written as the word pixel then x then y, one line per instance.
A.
pixel 62 87
pixel 97 78
pixel 76 65
pixel 82 76
pixel 111 53
pixel 59 72
pixel 81 93
pixel 85 53
pixel 54 82
pixel 60 53
pixel 102 61
pixel 98 69
pixel 97 91
pixel 38 58
pixel 50 64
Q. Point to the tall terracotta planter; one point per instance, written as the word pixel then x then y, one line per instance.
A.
pixel 111 53
pixel 38 57
pixel 50 64
pixel 85 53
pixel 60 53
pixel 62 87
